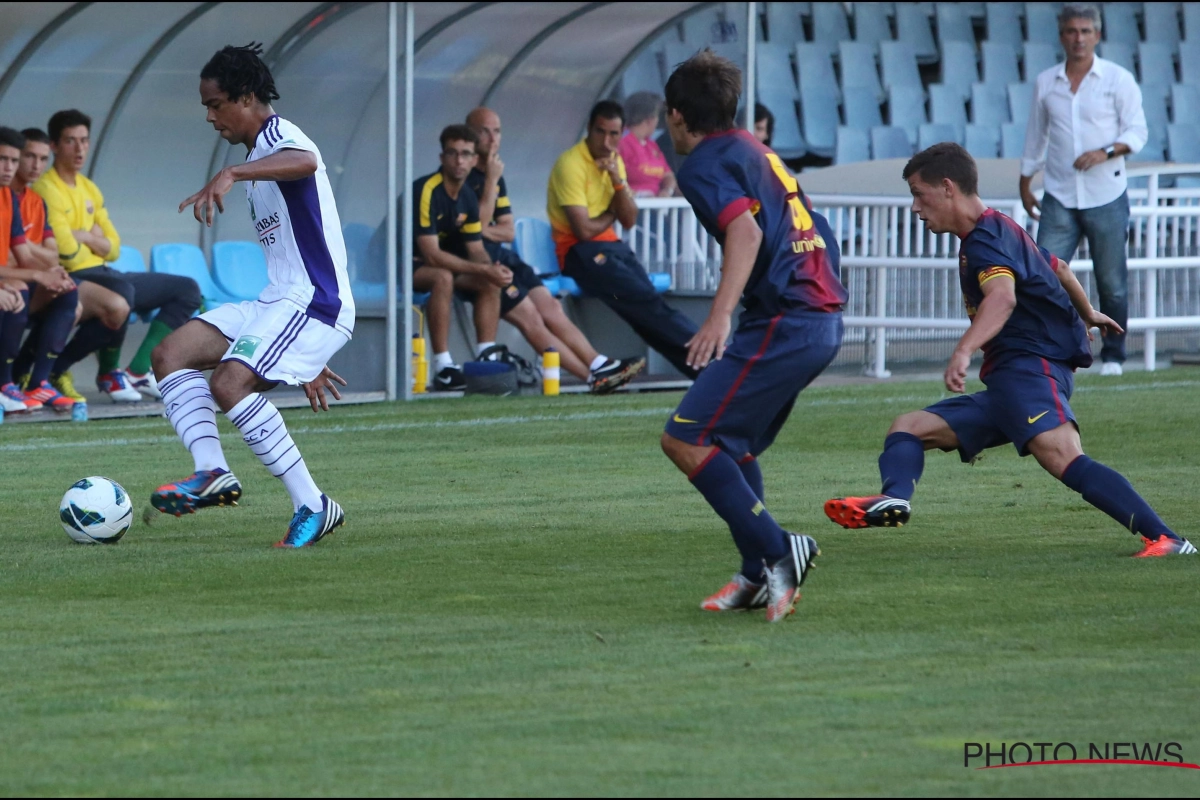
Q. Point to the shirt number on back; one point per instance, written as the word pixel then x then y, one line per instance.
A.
pixel 801 219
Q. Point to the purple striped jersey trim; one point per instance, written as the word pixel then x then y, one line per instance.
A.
pixel 304 211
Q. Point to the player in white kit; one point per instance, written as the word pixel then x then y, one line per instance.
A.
pixel 288 335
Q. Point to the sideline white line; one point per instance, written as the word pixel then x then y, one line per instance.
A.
pixel 579 416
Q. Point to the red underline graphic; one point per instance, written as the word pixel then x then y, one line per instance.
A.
pixel 1095 761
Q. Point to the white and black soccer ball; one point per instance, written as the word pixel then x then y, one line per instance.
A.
pixel 96 511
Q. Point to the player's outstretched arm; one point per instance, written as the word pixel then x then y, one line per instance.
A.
pixel 286 165
pixel 743 237
pixel 999 300
pixel 1090 316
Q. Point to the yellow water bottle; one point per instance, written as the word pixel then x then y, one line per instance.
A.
pixel 550 372
pixel 420 366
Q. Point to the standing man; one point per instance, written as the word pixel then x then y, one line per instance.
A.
pixel 781 262
pixel 587 194
pixel 1086 117
pixel 526 303
pixel 303 317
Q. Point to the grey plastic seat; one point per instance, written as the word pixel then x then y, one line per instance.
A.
pixel 1012 140
pixel 814 65
pixel 1120 53
pixel 829 25
pixel 861 108
pixel 983 141
pixel 1039 57
pixel 1184 143
pixel 1020 101
pixel 906 110
pixel 853 145
pixel 989 105
pixel 932 133
pixel 783 23
pixel 899 65
pixel 1041 23
pixel 858 66
pixel 1004 23
pixel 1162 23
pixel 819 114
pixel 1189 60
pixel 1120 23
pixel 912 26
pixel 953 24
pixel 871 23
pixel 890 142
pixel 999 63
pixel 959 67
pixel 1185 104
pixel 1157 63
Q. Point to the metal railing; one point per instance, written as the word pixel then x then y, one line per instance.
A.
pixel 903 279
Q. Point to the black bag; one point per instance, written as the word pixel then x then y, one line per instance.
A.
pixel 527 373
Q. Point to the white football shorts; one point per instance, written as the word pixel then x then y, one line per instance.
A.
pixel 276 340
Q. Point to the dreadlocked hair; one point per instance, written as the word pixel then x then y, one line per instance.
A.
pixel 240 71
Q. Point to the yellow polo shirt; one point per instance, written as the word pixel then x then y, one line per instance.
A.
pixel 76 208
pixel 577 181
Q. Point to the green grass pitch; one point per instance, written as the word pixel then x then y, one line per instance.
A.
pixel 512 609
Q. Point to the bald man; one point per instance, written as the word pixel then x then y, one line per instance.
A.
pixel 527 304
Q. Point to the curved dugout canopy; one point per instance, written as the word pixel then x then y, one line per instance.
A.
pixel 134 67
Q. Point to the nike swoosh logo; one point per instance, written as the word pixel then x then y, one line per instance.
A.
pixel 1039 416
pixel 678 418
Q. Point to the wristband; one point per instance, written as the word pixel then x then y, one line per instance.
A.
pixel 617 187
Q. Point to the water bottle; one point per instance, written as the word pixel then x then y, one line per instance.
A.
pixel 420 366
pixel 1 415
pixel 79 412
pixel 550 372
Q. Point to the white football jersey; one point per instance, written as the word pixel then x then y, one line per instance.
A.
pixel 298 227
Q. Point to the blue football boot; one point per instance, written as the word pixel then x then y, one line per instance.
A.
pixel 309 527
pixel 215 487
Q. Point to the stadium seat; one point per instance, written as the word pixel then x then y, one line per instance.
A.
pixel 1162 23
pixel 675 53
pixel 983 141
pixel 861 108
pixel 534 245
pixel 701 29
pixel 960 67
pixel 1041 24
pixel 1185 104
pixel 1156 64
pixel 783 24
pixel 829 26
pixel 1004 24
pixel 906 110
pixel 899 65
pixel 1120 23
pixel 947 108
pixel 1120 53
pixel 989 105
pixel 1153 151
pixel 858 67
pixel 999 63
pixel 853 145
pixel 357 237
pixel 773 66
pixel 734 51
pixel 973 10
pixel 129 260
pixel 643 75
pixel 1038 58
pixel 1184 143
pixel 814 63
pixel 953 25
pixel 871 24
pixel 818 111
pixel 1189 60
pixel 188 260
pixel 1020 102
pixel 1154 105
pixel 240 269
pixel 890 142
pixel 1012 140
pixel 932 133
pixel 912 26
pixel 1191 22
pixel 780 98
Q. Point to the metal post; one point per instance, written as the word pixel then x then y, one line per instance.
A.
pixel 751 42
pixel 879 361
pixel 1150 342
pixel 407 242
pixel 391 347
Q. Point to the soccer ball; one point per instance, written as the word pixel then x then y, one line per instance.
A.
pixel 96 511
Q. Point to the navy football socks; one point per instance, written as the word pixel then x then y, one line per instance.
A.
pixel 756 533
pixel 57 320
pixel 901 464
pixel 752 565
pixel 1107 490
pixel 12 325
pixel 90 337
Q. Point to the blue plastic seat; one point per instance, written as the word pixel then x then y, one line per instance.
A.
pixel 931 134
pixel 819 112
pixel 999 63
pixel 1120 53
pixel 814 64
pixel 1185 104
pixel 899 64
pixel 947 108
pixel 643 75
pixel 1189 59
pixel 912 26
pixel 357 237
pixel 953 24
pixel 1154 105
pixel 960 67
pixel 853 145
pixel 1191 22
pixel 1184 143
pixel 1039 57
pixel 989 105
pixel 1012 139
pixel 906 110
pixel 783 23
pixel 890 142
pixel 983 141
pixel 1162 23
pixel 1120 23
pixel 861 107
pixel 829 25
pixel 1020 102
pixel 188 260
pixel 1157 63
pixel 858 66
pixel 1004 24
pixel 1041 24
pixel 534 245
pixel 240 269
pixel 129 260
pixel 871 24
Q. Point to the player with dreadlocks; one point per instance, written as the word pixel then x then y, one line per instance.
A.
pixel 303 317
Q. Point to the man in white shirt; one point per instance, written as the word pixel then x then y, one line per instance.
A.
pixel 1086 117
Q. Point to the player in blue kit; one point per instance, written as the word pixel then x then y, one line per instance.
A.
pixel 783 268
pixel 1030 316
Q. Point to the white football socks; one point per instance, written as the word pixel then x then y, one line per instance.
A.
pixel 598 362
pixel 264 431
pixel 193 413
pixel 441 361
pixel 479 348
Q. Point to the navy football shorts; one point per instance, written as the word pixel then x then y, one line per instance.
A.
pixel 740 402
pixel 1024 397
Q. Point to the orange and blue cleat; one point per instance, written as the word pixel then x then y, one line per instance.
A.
pixel 215 487
pixel 877 511
pixel 50 397
pixel 1165 546
pixel 737 595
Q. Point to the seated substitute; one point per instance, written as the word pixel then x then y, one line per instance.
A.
pixel 87 242
pixel 24 271
pixel 650 175
pixel 1032 319
pixel 587 193
pixel 448 254
pixel 526 303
